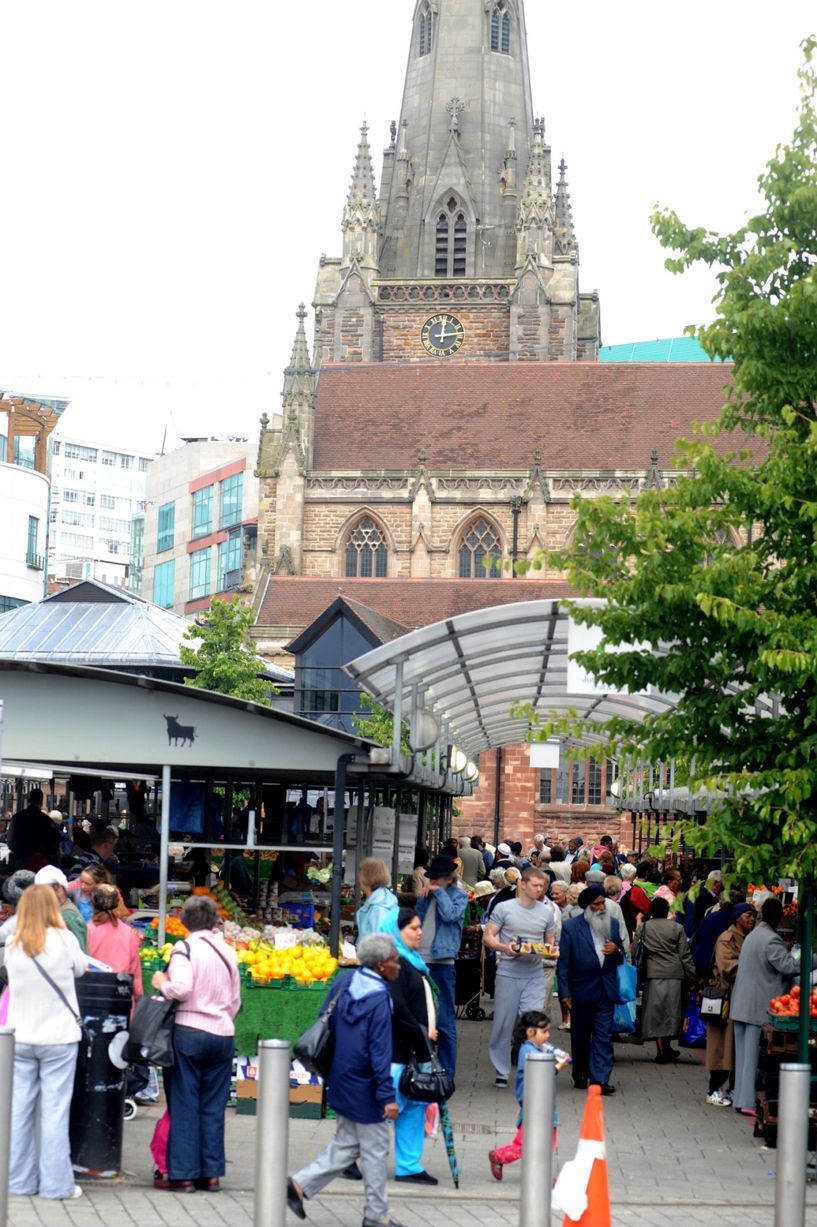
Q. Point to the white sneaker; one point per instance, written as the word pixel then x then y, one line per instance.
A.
pixel 719 1099
pixel 76 1193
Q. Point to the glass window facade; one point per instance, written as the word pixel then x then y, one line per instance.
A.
pixel 545 786
pixel 167 525
pixel 203 511
pixel 164 580
pixel 232 493
pixel 323 691
pixel 480 552
pixel 366 553
pixel 200 574
pixel 229 563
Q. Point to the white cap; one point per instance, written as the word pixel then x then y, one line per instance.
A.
pixel 49 875
pixel 503 849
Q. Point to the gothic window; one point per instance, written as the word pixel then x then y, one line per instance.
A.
pixel 425 30
pixel 366 553
pixel 480 551
pixel 501 28
pixel 451 241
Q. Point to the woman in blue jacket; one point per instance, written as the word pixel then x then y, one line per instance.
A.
pixel 373 879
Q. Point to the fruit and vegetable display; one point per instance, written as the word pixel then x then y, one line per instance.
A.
pixel 304 965
pixel 173 926
pixel 788 1005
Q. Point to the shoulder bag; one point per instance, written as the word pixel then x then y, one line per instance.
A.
pixel 714 1003
pixel 420 1085
pixel 316 1047
pixel 150 1033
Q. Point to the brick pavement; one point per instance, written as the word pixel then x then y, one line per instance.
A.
pixel 669 1154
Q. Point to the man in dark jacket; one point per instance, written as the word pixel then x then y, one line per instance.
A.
pixel 359 1085
pixel 33 838
pixel 590 950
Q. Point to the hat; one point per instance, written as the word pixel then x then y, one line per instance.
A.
pixel 483 888
pixel 50 875
pixel 740 908
pixel 16 884
pixel 56 815
pixel 503 849
pixel 442 866
pixel 589 894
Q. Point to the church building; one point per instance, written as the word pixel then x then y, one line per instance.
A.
pixel 451 403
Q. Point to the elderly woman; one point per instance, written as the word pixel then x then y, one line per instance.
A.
pixel 359 1086
pixel 720 1035
pixel 202 976
pixel 43 960
pixel 374 881
pixel 668 969
pixel 413 1026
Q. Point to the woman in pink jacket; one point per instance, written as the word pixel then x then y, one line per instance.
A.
pixel 111 940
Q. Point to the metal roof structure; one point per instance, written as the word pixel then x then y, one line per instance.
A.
pixel 471 669
pixel 665 349
pixel 96 625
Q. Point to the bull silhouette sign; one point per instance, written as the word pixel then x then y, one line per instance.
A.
pixel 179 734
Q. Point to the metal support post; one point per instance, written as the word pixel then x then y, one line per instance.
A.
pixel 397 719
pixel 537 1152
pixel 792 1146
pixel 272 1134
pixel 6 1081
pixel 806 935
pixel 164 834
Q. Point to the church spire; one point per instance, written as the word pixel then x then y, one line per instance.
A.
pixel 299 376
pixel 564 234
pixel 360 216
pixel 534 217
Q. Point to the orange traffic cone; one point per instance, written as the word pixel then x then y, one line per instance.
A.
pixel 582 1191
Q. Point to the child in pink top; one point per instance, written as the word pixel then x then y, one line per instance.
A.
pixel 111 940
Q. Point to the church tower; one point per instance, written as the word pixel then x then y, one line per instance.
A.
pixel 467 225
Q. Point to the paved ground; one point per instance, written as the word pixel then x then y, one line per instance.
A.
pixel 670 1157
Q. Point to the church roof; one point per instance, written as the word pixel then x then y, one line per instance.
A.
pixel 489 416
pixel 297 601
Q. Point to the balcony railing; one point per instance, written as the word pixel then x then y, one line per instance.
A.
pixel 35 561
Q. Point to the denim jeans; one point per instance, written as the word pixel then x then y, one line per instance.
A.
pixel 43 1084
pixel 197 1087
pixel 444 976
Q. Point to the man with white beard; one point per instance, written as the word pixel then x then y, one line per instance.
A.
pixel 590 950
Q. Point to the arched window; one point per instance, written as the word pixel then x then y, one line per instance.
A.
pixel 366 553
pixel 451 241
pixel 480 551
pixel 425 31
pixel 501 28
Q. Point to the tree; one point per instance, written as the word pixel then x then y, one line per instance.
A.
pixel 377 726
pixel 711 582
pixel 224 660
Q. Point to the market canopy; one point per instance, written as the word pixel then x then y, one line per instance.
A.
pixel 471 670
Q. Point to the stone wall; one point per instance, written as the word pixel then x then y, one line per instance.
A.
pixel 487 330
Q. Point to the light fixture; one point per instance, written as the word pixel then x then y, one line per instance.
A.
pixel 424 730
pixel 471 773
pixel 457 759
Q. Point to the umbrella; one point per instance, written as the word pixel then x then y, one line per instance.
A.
pixel 448 1135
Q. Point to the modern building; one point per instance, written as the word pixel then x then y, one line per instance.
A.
pixel 25 427
pixel 199 535
pixel 664 349
pixel 96 490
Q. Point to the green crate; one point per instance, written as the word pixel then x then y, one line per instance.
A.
pixel 147 975
pixel 784 1022
pixel 269 1013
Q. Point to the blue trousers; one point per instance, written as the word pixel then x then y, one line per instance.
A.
pixel 198 1087
pixel 43 1085
pixel 409 1130
pixel 591 1040
pixel 444 976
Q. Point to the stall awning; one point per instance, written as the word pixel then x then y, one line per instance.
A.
pixel 470 670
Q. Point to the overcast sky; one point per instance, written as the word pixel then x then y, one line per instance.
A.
pixel 173 171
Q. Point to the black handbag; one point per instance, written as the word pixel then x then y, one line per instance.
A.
pixel 433 1085
pixel 715 1003
pixel 150 1034
pixel 316 1047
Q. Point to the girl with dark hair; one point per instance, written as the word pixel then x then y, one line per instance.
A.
pixel 111 940
pixel 531 1034
pixel 414 1025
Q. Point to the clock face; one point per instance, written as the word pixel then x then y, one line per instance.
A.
pixel 442 335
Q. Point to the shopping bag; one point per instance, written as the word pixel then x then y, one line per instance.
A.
pixel 693 1033
pixel 150 1034
pixel 158 1143
pixel 627 979
pixel 624 1018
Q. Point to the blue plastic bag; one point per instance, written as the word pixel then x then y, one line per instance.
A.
pixel 624 1018
pixel 627 977
pixel 693 1033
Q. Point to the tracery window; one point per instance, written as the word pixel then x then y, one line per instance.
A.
pixel 366 553
pixel 425 31
pixel 480 551
pixel 451 241
pixel 501 28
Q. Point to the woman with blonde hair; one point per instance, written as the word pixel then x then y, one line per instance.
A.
pixel 111 940
pixel 374 880
pixel 43 959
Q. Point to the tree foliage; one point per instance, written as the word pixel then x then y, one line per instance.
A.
pixel 377 726
pixel 711 582
pixel 224 659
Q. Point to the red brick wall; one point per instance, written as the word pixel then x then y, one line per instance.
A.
pixel 487 330
pixel 520 814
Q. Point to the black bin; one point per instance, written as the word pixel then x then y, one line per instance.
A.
pixel 97 1106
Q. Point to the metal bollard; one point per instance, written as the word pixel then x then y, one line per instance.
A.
pixel 272 1134
pixel 792 1146
pixel 537 1148
pixel 6 1084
